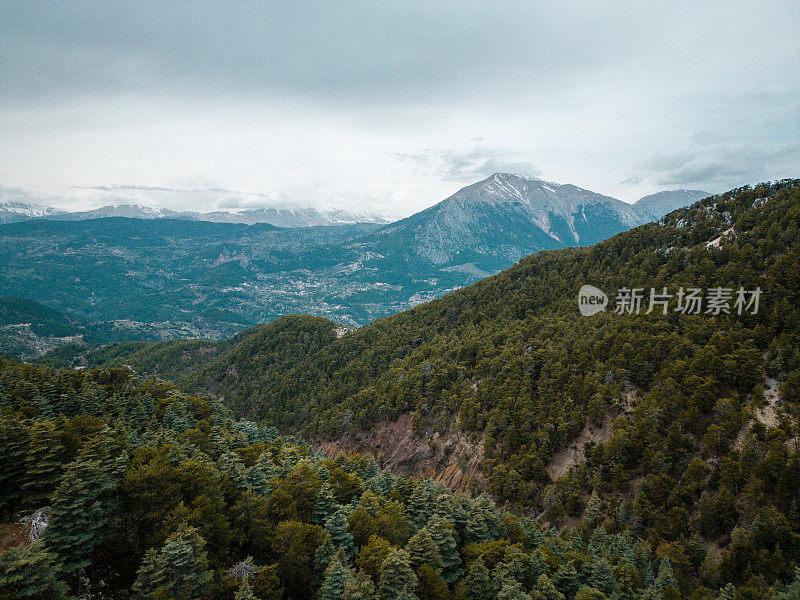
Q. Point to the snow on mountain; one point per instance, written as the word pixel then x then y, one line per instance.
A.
pixel 280 217
pixel 492 223
pixel 12 211
pixel 657 205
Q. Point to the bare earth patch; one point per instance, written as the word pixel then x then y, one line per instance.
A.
pixel 12 534
pixel 453 457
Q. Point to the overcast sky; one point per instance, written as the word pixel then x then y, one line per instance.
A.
pixel 391 106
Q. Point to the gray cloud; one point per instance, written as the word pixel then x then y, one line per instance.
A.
pixel 352 51
pixel 468 166
pixel 723 166
pixel 191 103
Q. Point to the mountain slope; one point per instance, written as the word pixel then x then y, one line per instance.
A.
pixel 279 217
pixel 182 275
pixel 695 417
pixel 657 205
pixel 493 223
pixel 14 212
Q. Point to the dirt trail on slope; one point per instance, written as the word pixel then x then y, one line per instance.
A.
pixel 575 454
pixel 454 457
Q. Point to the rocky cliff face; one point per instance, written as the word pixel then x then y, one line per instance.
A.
pixel 453 457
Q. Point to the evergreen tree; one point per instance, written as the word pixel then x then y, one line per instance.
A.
pixel 30 572
pixel 341 537
pixel 512 590
pixel 322 558
pixel 13 450
pixel 231 464
pixel 586 592
pixel 147 577
pixel 244 592
pixel 324 506
pixel 538 566
pixel 419 506
pixel 592 511
pixel 545 590
pixel 430 585
pixel 729 593
pixel 180 569
pixel 361 588
pixel 397 577
pixel 337 576
pixel 257 480
pixel 478 582
pixel 567 580
pixel 599 574
pixel 90 398
pixel 43 467
pixel 665 578
pixel 442 536
pixel 378 484
pixel 422 550
pixel 77 520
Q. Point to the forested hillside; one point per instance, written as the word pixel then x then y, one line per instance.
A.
pixel 699 413
pixel 155 494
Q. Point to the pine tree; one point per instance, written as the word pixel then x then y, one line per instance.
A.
pixel 478 582
pixel 545 590
pixel 30 572
pixel 419 506
pixel 442 536
pixel 599 574
pixel 729 593
pixel 538 566
pixel 337 576
pixel 324 506
pixel 231 464
pixel 665 578
pixel 181 568
pixel 13 449
pixel 422 550
pixel 397 577
pixel 361 588
pixel 43 462
pixel 90 399
pixel 323 557
pixel 567 580
pixel 256 480
pixel 512 590
pixel 586 592
pixel 244 592
pixel 147 577
pixel 341 537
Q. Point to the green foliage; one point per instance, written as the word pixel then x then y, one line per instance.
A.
pixel 180 569
pixel 30 572
pixel 397 576
pixel 681 470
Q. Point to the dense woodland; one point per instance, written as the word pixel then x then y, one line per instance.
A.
pixel 158 495
pixel 688 476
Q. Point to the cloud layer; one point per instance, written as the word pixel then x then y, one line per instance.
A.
pixel 390 106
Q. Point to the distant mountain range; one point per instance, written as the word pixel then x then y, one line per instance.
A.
pixel 14 212
pixel 186 274
pixel 509 190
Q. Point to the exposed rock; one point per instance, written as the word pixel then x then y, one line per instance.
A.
pixel 454 457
